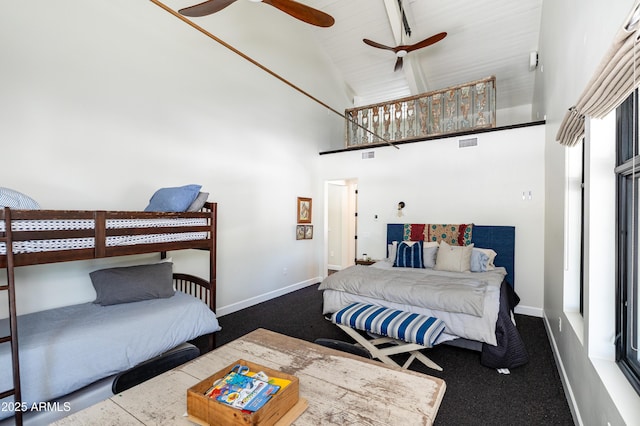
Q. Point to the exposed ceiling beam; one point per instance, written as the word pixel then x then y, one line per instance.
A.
pixel 412 70
pixel 395 19
pixel 414 75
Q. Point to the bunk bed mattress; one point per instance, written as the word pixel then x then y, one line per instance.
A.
pixel 35 246
pixel 65 349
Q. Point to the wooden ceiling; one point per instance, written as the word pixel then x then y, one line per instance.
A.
pixel 487 37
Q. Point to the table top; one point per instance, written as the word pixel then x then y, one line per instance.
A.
pixel 340 388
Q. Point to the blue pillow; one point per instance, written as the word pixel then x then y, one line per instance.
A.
pixel 176 199
pixel 17 200
pixel 479 261
pixel 409 256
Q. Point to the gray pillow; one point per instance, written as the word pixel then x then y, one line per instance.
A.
pixel 430 256
pixel 198 203
pixel 133 283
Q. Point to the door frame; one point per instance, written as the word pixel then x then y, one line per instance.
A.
pixel 348 225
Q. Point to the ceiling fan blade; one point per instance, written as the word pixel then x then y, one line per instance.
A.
pixel 206 8
pixel 424 43
pixel 302 12
pixel 378 45
pixel 398 65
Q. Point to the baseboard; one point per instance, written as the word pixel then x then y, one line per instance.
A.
pixel 529 310
pixel 234 307
pixel 575 412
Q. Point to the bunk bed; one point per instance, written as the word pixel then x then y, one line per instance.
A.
pixel 35 237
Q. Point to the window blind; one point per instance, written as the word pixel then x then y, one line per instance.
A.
pixel 614 80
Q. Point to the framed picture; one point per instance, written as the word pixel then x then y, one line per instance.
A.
pixel 300 232
pixel 304 210
pixel 308 232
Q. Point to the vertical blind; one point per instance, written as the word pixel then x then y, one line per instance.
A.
pixel 614 80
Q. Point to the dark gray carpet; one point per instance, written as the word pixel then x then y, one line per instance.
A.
pixel 475 395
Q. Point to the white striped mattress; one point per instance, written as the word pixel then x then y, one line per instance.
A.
pixel 35 246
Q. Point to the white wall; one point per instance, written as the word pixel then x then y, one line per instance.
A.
pixel 574 36
pixel 441 183
pixel 104 101
pixel 515 115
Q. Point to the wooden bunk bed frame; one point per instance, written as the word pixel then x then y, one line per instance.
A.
pixel 132 225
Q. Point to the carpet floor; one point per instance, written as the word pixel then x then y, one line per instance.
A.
pixel 475 395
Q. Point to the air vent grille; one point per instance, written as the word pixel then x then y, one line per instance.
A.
pixel 369 154
pixel 464 143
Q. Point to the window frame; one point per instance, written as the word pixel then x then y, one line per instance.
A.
pixel 627 169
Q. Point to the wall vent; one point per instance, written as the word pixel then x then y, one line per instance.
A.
pixel 463 143
pixel 368 154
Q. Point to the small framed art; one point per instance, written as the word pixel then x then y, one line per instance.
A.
pixel 300 232
pixel 308 232
pixel 304 210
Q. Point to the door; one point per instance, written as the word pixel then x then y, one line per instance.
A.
pixel 341 223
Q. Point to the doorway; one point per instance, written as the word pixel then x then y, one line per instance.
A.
pixel 341 214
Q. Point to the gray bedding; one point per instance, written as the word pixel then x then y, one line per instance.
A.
pixel 393 288
pixel 65 349
pixel 426 288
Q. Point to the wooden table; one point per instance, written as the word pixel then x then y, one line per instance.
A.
pixel 340 388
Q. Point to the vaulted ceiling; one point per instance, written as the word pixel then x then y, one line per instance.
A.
pixel 484 38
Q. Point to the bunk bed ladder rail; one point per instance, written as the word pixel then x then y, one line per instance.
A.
pixel 12 338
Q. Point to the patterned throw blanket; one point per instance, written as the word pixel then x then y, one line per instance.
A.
pixel 453 234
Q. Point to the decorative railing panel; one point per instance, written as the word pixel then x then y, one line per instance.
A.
pixel 460 108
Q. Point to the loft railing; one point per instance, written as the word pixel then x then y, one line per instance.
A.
pixel 455 109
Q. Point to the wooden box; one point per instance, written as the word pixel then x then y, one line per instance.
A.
pixel 207 411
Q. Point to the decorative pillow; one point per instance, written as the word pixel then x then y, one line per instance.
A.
pixel 198 203
pixel 17 200
pixel 453 258
pixel 482 260
pixel 409 254
pixel 176 199
pixel 133 283
pixel 430 251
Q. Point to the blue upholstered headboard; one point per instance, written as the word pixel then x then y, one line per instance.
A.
pixel 499 238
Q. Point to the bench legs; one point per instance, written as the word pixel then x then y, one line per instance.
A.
pixel 397 347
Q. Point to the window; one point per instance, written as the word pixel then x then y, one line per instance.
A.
pixel 628 181
pixel 582 228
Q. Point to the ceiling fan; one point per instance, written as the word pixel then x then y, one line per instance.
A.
pixel 297 10
pixel 402 50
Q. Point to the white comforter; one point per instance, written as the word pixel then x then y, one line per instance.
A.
pixel 468 303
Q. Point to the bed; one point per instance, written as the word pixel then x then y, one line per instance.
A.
pixel 48 349
pixel 474 296
pixel 65 349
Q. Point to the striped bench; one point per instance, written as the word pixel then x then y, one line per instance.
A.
pixel 409 332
